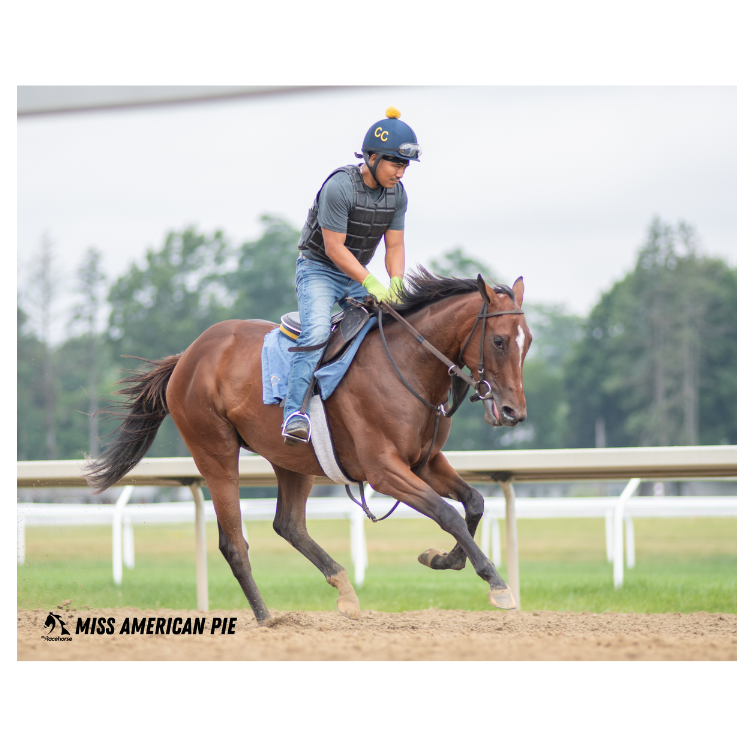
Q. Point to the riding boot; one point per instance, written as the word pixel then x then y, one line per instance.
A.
pixel 296 429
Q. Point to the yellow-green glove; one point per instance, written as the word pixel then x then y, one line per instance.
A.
pixel 395 289
pixel 375 288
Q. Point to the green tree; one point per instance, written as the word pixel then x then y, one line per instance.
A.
pixel 263 284
pixel 90 282
pixel 460 264
pixel 42 290
pixel 30 400
pixel 159 308
pixel 658 362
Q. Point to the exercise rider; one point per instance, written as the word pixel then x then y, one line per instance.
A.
pixel 354 208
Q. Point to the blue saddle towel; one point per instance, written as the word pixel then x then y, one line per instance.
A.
pixel 276 361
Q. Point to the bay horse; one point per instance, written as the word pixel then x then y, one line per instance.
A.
pixel 380 431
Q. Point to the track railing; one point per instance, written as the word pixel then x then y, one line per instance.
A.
pixel 501 467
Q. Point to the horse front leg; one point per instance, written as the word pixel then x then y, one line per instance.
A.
pixel 392 476
pixel 444 479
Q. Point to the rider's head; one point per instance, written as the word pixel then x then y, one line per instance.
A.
pixel 392 141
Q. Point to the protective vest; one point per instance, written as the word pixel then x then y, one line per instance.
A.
pixel 367 222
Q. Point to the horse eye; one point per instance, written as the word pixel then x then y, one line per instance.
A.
pixel 498 342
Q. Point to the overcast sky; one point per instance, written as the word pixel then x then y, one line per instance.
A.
pixel 557 184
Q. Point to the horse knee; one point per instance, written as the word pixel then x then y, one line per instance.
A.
pixel 474 506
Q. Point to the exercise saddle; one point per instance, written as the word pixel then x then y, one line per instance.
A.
pixel 345 325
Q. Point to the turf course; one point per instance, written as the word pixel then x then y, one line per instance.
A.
pixel 682 565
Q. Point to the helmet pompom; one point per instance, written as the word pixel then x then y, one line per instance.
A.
pixel 392 113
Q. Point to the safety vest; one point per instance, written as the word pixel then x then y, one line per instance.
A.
pixel 368 221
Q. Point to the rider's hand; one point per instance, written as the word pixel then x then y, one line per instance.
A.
pixel 395 289
pixel 375 288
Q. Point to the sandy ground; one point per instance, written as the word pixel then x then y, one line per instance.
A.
pixel 444 635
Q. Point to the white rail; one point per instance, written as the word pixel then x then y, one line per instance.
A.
pixel 54 514
pixel 502 467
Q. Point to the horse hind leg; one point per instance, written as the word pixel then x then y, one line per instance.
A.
pixel 239 562
pixel 290 523
pixel 219 465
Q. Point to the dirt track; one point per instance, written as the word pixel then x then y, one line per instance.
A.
pixel 434 634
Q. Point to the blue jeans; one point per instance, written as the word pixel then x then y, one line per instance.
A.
pixel 318 287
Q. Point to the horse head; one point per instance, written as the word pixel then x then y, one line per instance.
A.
pixel 506 341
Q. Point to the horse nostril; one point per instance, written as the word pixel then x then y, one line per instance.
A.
pixel 508 413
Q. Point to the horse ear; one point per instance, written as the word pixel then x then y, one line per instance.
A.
pixel 483 290
pixel 518 290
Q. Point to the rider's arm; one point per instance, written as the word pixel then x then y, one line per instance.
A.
pixel 395 255
pixel 340 255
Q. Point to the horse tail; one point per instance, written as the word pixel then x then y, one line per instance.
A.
pixel 142 414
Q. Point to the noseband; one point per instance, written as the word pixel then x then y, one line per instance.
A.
pixel 454 370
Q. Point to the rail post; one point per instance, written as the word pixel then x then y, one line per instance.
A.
pixel 128 543
pixel 609 523
pixel 21 529
pixel 485 538
pixel 122 501
pixel 511 534
pixel 629 542
pixel 496 547
pixel 201 566
pixel 618 552
pixel 358 540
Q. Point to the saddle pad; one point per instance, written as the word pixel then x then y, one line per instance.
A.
pixel 322 443
pixel 276 361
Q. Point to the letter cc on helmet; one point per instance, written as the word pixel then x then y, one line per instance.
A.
pixel 390 137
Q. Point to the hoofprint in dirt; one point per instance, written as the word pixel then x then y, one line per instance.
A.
pixel 434 634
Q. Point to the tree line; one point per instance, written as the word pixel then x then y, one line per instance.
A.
pixel 654 362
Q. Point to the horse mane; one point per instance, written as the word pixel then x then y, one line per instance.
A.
pixel 423 288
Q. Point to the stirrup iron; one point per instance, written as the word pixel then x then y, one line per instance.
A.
pixel 295 440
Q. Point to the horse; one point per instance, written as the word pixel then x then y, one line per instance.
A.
pixel 380 431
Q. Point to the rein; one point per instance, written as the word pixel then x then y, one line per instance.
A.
pixel 456 372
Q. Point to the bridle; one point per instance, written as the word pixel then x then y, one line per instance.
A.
pixel 460 381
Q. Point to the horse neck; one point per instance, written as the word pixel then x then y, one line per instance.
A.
pixel 447 324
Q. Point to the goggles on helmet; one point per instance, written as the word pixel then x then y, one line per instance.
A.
pixel 410 150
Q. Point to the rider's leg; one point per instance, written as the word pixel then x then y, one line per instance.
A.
pixel 318 287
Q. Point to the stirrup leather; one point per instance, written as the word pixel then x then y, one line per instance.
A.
pixel 287 435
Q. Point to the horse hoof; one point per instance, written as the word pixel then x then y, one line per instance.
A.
pixel 502 599
pixel 348 608
pixel 429 555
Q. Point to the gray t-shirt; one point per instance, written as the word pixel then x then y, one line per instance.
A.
pixel 337 199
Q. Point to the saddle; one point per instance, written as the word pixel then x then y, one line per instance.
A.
pixel 345 325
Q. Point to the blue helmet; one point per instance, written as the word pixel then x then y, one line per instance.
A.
pixel 390 137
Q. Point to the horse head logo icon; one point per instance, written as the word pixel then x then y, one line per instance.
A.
pixel 52 619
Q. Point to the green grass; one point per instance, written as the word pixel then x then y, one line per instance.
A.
pixel 683 565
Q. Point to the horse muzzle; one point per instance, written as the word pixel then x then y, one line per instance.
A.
pixel 502 415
